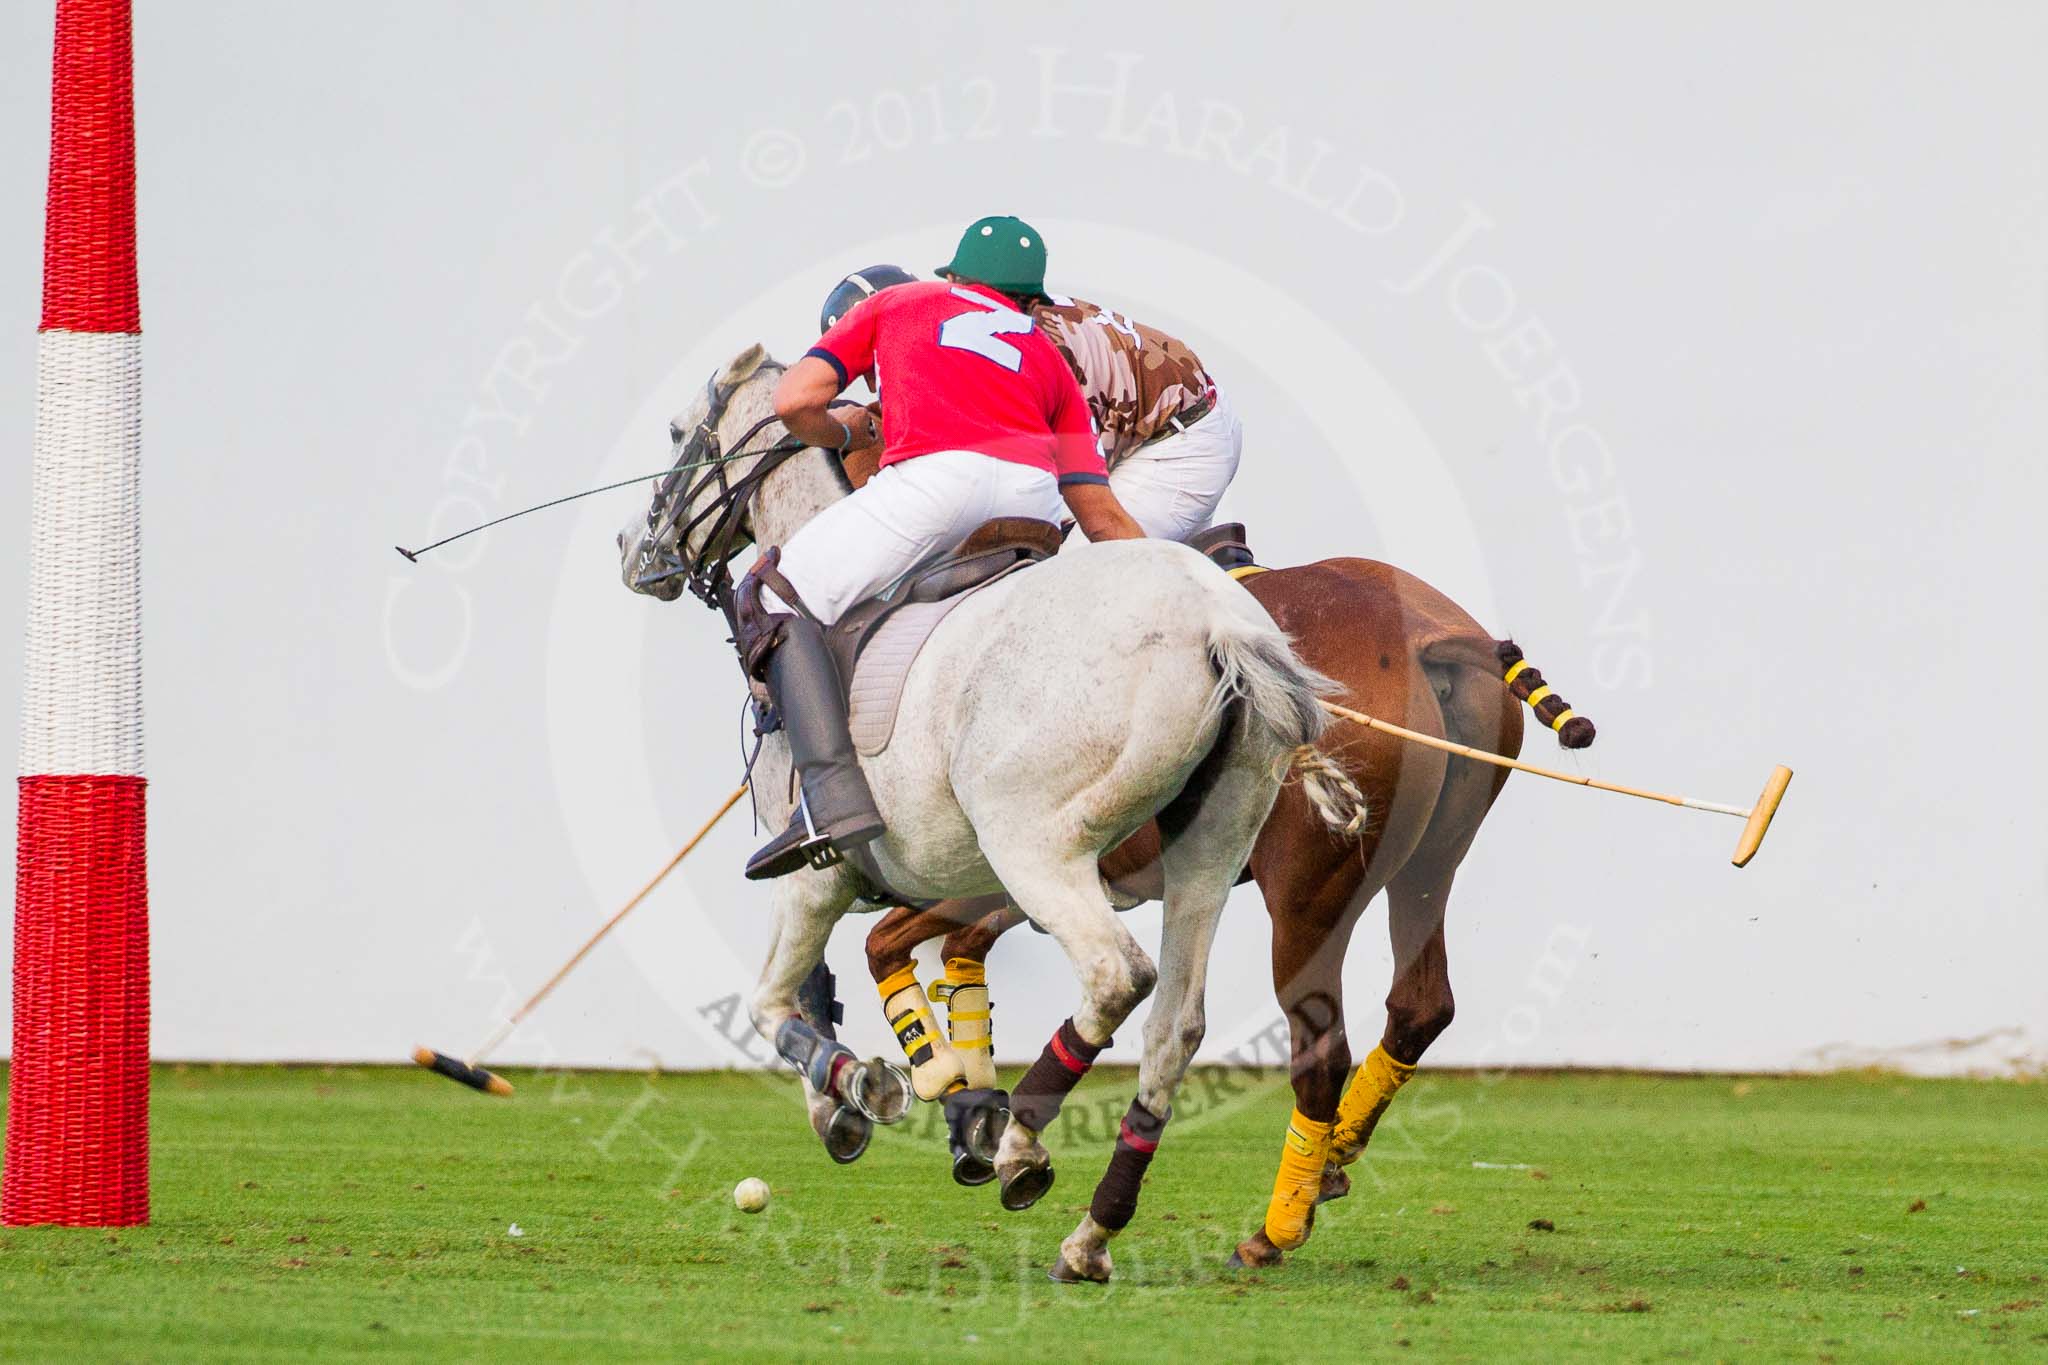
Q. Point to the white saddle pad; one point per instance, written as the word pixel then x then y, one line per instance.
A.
pixel 884 664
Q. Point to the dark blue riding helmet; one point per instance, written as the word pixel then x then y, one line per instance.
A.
pixel 857 286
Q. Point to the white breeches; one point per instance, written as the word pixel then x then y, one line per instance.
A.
pixel 906 516
pixel 1171 487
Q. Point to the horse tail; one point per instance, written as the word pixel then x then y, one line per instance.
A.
pixel 1256 664
pixel 1504 658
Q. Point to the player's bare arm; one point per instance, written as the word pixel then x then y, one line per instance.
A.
pixel 801 400
pixel 1100 515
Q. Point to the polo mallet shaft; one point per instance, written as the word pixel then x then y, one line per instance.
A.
pixel 414 555
pixel 467 1069
pixel 1757 817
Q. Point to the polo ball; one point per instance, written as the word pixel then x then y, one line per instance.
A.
pixel 750 1195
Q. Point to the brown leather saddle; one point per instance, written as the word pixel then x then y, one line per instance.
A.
pixel 1226 545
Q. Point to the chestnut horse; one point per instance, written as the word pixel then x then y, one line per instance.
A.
pixel 1403 652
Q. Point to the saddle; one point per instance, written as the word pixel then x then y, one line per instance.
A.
pixel 875 644
pixel 1225 545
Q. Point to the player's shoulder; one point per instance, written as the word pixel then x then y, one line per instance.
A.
pixel 915 294
pixel 1062 308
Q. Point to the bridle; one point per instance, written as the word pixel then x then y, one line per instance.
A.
pixel 706 571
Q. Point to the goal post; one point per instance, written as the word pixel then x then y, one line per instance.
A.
pixel 77 1149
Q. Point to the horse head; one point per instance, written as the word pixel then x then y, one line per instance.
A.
pixel 699 514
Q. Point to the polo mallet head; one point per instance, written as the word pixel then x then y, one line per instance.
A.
pixel 475 1077
pixel 1760 815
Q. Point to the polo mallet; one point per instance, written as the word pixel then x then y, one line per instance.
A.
pixel 468 1069
pixel 1757 819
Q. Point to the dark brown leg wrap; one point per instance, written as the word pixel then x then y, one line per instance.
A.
pixel 1116 1195
pixel 1035 1101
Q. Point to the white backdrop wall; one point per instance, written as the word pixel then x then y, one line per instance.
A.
pixel 1700 347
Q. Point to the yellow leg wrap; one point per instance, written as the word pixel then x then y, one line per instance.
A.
pixel 935 1067
pixel 1378 1079
pixel 1302 1158
pixel 964 988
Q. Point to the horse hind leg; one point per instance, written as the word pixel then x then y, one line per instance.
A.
pixel 1420 1005
pixel 1207 838
pixel 1311 936
pixel 1067 900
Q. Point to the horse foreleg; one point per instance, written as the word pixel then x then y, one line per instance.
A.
pixel 842 1094
pixel 936 1069
pixel 970 1021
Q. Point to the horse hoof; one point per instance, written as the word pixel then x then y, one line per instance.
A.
pixel 1026 1188
pixel 975 1120
pixel 970 1170
pixel 846 1135
pixel 1336 1184
pixel 985 1127
pixel 1062 1273
pixel 879 1090
pixel 1255 1253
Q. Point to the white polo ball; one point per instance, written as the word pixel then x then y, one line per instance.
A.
pixel 750 1195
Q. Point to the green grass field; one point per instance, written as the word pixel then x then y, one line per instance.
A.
pixel 366 1212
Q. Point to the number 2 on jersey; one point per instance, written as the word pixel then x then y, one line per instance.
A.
pixel 982 332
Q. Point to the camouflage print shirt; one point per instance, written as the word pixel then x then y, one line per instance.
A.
pixel 1135 377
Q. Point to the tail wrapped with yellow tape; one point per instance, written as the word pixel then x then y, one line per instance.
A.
pixel 1574 731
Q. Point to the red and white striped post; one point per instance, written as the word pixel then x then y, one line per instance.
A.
pixel 78 1091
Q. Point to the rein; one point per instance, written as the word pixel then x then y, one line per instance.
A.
pixel 706 571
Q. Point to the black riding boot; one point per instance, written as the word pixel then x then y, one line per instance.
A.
pixel 837 811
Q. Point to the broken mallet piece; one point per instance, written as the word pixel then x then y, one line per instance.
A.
pixel 475 1077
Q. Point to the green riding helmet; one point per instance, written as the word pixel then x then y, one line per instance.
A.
pixel 1002 252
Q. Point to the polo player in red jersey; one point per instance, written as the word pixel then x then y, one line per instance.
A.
pixel 1169 437
pixel 982 418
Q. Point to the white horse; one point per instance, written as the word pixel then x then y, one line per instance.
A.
pixel 1047 718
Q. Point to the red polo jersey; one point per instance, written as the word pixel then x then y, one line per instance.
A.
pixel 958 367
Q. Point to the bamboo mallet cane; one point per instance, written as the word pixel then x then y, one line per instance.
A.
pixel 1757 818
pixel 466 1069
